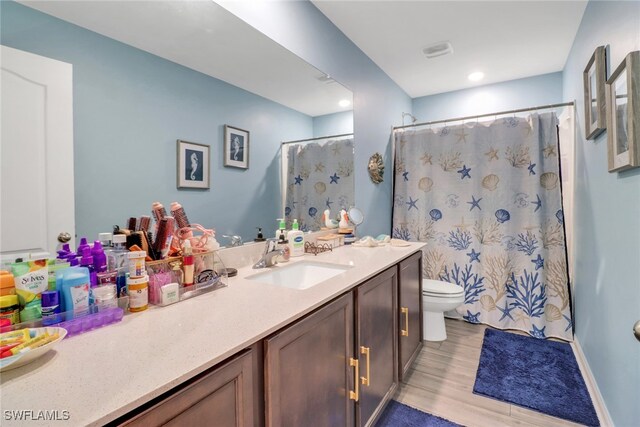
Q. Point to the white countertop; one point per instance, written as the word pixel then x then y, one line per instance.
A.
pixel 103 374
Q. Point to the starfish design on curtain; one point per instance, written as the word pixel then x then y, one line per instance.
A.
pixel 506 312
pixel 298 180
pixel 426 158
pixel 475 203
pixel 539 262
pixel 492 154
pixel 462 135
pixel 412 203
pixel 531 168
pixel 319 167
pixel 473 256
pixel 336 150
pixel 549 150
pixel 329 203
pixel 464 172
pixel 405 175
pixel 538 203
pixel 334 178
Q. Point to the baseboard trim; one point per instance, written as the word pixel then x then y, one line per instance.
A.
pixel 592 386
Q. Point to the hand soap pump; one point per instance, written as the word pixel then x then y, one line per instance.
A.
pixel 283 244
pixel 282 226
pixel 259 237
pixel 296 240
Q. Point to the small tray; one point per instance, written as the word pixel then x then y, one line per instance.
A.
pixel 22 359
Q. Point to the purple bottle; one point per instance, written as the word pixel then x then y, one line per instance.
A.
pixel 99 257
pixel 87 261
pixel 83 244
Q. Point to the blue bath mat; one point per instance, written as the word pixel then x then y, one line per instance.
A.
pixel 538 374
pixel 398 415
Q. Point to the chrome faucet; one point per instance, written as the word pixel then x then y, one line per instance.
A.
pixel 269 256
pixel 233 240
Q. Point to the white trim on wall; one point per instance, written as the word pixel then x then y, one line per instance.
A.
pixel 592 386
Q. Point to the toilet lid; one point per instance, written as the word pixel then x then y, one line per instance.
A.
pixel 436 287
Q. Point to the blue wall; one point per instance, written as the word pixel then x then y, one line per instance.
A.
pixel 378 101
pixel 130 107
pixel 521 93
pixel 607 225
pixel 333 124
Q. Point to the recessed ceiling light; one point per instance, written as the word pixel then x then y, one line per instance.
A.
pixel 344 103
pixel 477 76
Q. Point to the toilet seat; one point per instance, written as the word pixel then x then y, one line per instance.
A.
pixel 439 289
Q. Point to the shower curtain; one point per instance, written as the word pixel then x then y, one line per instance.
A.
pixel 319 176
pixel 486 197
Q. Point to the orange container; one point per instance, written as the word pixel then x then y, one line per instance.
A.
pixel 7 284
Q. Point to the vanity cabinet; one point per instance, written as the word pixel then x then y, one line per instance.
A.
pixel 376 344
pixel 309 372
pixel 226 396
pixel 317 372
pixel 409 310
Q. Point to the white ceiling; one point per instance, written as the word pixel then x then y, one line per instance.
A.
pixel 504 39
pixel 205 37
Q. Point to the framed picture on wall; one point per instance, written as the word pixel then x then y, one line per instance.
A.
pixel 623 118
pixel 595 76
pixel 236 147
pixel 193 165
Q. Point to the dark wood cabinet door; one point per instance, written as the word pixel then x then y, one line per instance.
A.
pixel 376 344
pixel 307 369
pixel 224 397
pixel 409 310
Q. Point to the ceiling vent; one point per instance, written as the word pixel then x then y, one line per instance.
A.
pixel 438 49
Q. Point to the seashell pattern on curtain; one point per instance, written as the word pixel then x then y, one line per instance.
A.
pixel 486 198
pixel 319 177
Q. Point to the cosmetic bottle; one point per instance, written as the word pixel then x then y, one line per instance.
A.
pixel 296 240
pixel 187 263
pixel 83 244
pixel 283 245
pixel 282 226
pixel 99 257
pixel 117 261
pixel 87 261
pixel 105 240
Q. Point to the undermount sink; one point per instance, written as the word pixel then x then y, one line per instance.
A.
pixel 299 275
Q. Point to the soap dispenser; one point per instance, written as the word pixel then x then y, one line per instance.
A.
pixel 282 226
pixel 296 240
pixel 283 245
pixel 259 237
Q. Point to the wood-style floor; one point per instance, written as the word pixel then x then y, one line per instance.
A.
pixel 442 378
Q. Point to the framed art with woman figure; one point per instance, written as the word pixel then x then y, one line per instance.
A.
pixel 193 165
pixel 236 147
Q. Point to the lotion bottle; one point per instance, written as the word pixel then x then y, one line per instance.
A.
pixel 296 240
pixel 282 228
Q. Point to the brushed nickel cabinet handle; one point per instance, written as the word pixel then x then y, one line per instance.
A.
pixel 636 330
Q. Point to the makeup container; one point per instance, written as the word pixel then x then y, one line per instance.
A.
pixel 50 308
pixel 138 290
pixel 9 309
pixel 137 263
pixel 105 295
pixel 7 284
pixel 187 263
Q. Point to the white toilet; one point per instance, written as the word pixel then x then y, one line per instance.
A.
pixel 438 297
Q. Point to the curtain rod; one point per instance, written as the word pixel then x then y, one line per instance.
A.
pixel 315 139
pixel 457 119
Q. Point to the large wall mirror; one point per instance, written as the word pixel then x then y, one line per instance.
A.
pixel 149 73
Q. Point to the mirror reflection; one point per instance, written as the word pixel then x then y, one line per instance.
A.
pixel 146 74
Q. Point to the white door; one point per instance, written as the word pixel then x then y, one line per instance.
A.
pixel 36 154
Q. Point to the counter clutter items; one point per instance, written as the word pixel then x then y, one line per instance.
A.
pixel 213 327
pixel 94 286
